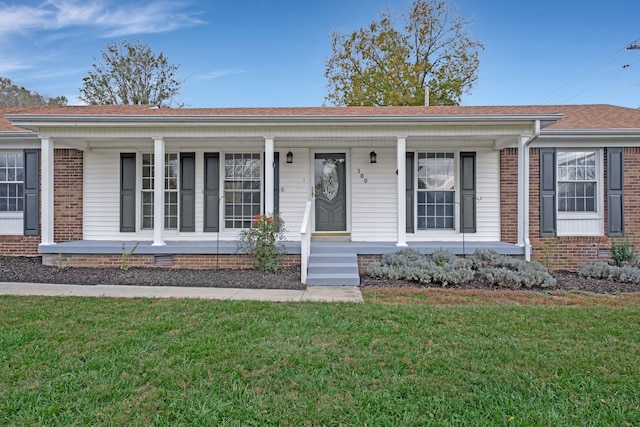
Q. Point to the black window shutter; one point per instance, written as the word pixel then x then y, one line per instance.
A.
pixel 211 192
pixel 468 192
pixel 547 192
pixel 127 192
pixel 615 193
pixel 31 192
pixel 187 191
pixel 410 191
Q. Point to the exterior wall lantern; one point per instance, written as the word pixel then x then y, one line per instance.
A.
pixel 373 157
pixel 289 157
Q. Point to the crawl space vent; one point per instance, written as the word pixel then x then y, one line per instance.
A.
pixel 163 260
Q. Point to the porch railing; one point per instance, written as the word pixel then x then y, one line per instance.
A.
pixel 305 242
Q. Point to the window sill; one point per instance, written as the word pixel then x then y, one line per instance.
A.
pixel 568 216
pixel 11 215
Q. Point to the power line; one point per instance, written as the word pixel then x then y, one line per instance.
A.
pixel 583 76
pixel 600 82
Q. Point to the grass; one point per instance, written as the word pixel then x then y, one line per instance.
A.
pixel 95 361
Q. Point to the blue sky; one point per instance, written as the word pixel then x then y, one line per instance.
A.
pixel 257 53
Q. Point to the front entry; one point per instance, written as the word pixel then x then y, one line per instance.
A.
pixel 330 191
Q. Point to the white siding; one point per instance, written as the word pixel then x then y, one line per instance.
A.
pixel 580 227
pixel 372 189
pixel 488 189
pixel 374 201
pixel 102 196
pixel 295 189
pixel 101 208
pixel 11 224
pixel 487 208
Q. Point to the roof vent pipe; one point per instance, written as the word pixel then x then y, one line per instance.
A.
pixel 426 95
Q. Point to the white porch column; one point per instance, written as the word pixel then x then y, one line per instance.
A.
pixel 401 159
pixel 46 150
pixel 269 176
pixel 158 192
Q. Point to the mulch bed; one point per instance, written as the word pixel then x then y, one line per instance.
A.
pixel 30 269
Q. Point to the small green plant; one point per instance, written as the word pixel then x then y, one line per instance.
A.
pixel 264 242
pixel 61 262
pixel 622 251
pixel 126 254
pixel 552 255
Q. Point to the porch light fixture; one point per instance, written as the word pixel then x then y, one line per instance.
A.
pixel 289 157
pixel 373 157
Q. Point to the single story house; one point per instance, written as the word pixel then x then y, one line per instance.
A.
pixel 85 184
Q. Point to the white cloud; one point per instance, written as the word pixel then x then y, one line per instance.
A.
pixel 8 65
pixel 155 17
pixel 219 73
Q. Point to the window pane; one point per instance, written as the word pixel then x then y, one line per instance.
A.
pixel 436 209
pixel 11 181
pixel 577 176
pixel 242 189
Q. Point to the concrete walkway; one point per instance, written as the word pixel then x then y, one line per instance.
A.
pixel 312 293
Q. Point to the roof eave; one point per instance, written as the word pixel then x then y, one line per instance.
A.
pixel 30 121
pixel 18 134
pixel 589 133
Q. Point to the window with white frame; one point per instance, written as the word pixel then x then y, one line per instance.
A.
pixel 242 196
pixel 170 191
pixel 436 191
pixel 577 176
pixel 11 182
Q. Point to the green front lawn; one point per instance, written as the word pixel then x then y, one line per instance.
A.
pixel 94 361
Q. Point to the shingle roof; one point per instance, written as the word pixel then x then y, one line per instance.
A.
pixel 585 117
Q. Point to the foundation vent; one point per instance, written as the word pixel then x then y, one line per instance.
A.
pixel 164 260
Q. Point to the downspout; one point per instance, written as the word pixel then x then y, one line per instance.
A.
pixel 524 158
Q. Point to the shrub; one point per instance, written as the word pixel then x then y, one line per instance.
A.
pixel 598 270
pixel 622 251
pixel 603 270
pixel 264 242
pixel 444 268
pixel 501 270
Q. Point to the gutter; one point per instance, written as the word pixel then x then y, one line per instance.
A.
pixel 523 178
pixel 31 121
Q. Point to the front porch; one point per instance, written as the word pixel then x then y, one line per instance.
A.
pixel 224 253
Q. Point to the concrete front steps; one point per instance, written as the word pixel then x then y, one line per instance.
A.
pixel 333 269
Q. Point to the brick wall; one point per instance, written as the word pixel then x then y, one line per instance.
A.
pixel 68 175
pixel 19 245
pixel 194 262
pixel 632 194
pixel 365 260
pixel 68 195
pixel 572 252
pixel 509 195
